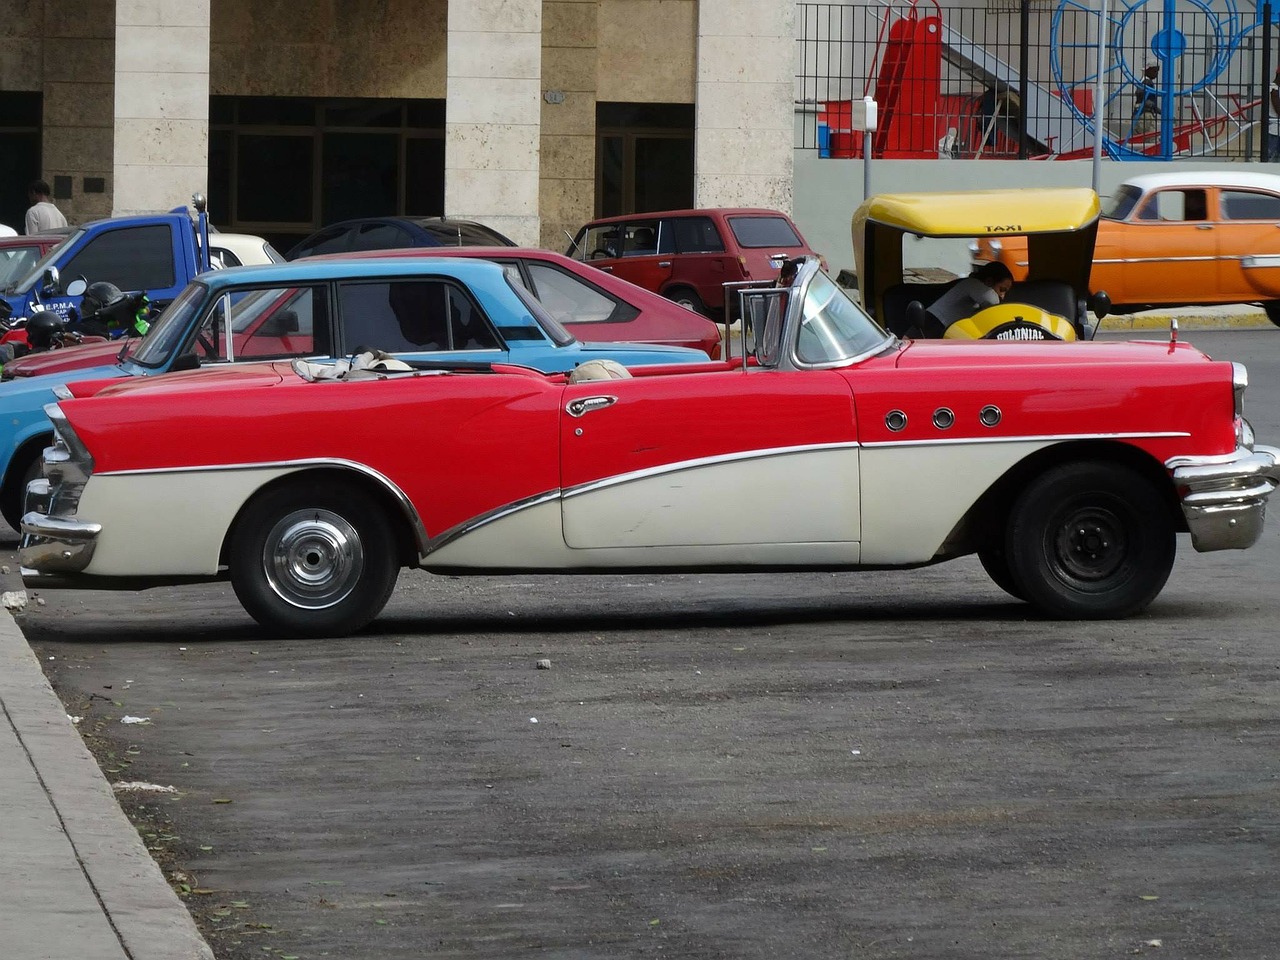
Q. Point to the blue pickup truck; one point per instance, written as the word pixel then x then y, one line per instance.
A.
pixel 159 253
pixel 452 309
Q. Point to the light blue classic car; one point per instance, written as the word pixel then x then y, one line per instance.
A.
pixel 462 310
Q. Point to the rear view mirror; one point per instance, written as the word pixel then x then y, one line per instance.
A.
pixel 1100 304
pixel 49 282
pixel 77 287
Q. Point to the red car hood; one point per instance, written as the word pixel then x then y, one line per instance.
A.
pixel 923 354
pixel 68 358
pixel 210 378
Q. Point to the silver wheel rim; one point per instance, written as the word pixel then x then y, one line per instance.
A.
pixel 313 558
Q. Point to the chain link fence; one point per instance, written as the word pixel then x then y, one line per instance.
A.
pixel 1011 79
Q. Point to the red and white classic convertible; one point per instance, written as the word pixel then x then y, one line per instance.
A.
pixel 1068 468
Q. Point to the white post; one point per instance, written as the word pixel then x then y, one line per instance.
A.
pixel 1098 96
pixel 863 117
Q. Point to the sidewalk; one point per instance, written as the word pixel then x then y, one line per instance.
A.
pixel 1235 316
pixel 76 881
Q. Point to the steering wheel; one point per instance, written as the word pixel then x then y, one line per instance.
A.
pixel 600 254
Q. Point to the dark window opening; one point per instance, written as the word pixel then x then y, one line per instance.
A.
pixel 644 157
pixel 283 167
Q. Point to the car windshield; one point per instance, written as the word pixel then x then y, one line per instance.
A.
pixel 16 262
pixel 1119 205
pixel 764 232
pixel 33 275
pixel 169 332
pixel 832 327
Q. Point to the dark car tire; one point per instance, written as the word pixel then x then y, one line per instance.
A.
pixel 1272 308
pixel 996 563
pixel 314 560
pixel 687 299
pixel 14 497
pixel 1090 541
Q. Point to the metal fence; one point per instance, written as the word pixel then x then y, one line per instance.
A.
pixel 1018 79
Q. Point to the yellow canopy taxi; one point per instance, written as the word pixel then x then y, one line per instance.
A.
pixel 1050 301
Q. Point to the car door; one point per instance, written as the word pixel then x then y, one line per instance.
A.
pixel 1248 243
pixel 700 261
pixel 639 261
pixel 718 467
pixel 1170 249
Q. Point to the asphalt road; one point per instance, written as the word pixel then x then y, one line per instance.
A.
pixel 857 765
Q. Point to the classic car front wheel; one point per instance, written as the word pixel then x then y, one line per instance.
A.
pixel 1090 541
pixel 1272 307
pixel 311 559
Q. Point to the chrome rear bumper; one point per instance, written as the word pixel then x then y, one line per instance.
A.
pixel 1224 499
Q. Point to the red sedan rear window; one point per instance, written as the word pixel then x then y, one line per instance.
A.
pixel 764 232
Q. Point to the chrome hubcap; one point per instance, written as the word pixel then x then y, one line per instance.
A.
pixel 313 558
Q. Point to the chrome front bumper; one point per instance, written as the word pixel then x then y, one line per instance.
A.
pixel 53 545
pixel 1224 499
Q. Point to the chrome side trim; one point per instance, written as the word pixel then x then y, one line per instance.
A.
pixel 1259 261
pixel 1157 260
pixel 1054 438
pixel 683 465
pixel 484 519
pixel 507 510
pixel 1224 498
pixel 402 500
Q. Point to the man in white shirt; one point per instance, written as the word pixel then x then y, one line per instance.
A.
pixel 42 215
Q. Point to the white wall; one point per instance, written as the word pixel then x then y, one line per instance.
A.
pixel 828 191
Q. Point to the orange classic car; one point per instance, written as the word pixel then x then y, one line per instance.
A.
pixel 1179 239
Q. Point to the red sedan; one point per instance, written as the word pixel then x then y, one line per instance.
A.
pixel 594 306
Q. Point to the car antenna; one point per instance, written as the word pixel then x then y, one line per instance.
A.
pixel 572 242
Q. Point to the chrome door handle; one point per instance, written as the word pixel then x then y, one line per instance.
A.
pixel 1204 226
pixel 584 405
pixel 664 263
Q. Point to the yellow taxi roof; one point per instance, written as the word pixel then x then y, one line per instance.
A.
pixel 973 213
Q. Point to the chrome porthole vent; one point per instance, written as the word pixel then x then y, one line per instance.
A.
pixel 943 418
pixel 989 415
pixel 895 420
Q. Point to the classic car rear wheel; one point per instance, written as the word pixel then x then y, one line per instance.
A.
pixel 1090 541
pixel 1272 308
pixel 996 562
pixel 311 559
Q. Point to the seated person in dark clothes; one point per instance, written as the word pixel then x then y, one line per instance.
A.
pixel 985 287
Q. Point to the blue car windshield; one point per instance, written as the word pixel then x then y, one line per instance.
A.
pixel 36 272
pixel 170 331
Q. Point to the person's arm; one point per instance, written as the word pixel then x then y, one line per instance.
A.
pixel 32 225
pixel 1275 100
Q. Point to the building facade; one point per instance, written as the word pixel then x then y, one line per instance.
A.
pixel 532 116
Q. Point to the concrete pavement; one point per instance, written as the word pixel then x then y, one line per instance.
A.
pixel 75 877
pixel 77 880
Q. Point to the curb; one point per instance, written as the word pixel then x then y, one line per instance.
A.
pixel 115 902
pixel 1187 321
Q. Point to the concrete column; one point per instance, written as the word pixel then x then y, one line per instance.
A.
pixel 745 115
pixel 161 103
pixel 569 77
pixel 494 114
